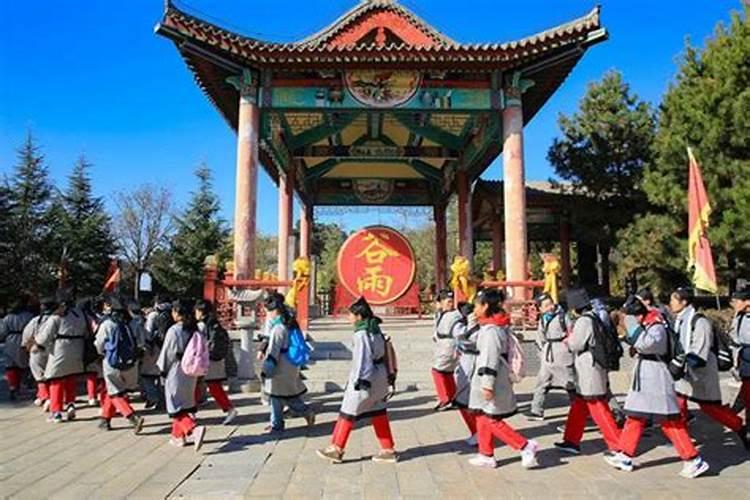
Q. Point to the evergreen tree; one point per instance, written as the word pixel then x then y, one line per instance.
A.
pixel 33 259
pixel 7 282
pixel 708 109
pixel 85 236
pixel 200 233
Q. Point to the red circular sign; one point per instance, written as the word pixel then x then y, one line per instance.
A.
pixel 377 263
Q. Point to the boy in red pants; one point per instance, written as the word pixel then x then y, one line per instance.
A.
pixel 740 331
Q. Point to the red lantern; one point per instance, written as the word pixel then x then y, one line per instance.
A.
pixel 377 263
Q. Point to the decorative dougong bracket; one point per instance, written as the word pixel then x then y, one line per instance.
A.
pixel 515 86
pixel 246 84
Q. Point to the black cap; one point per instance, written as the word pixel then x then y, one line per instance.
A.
pixel 634 307
pixel 742 294
pixel 542 297
pixel 577 298
pixel 445 293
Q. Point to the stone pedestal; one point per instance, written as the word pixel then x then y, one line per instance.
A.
pixel 244 352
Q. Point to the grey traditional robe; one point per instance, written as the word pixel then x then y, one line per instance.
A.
pixel 740 332
pixel 11 329
pixel 37 354
pixel 95 366
pixel 446 356
pixel 652 391
pixel 147 367
pixel 217 370
pixel 699 384
pixel 63 337
pixel 492 373
pixel 368 367
pixel 118 382
pixel 286 381
pixel 179 388
pixel 592 381
pixel 466 337
pixel 556 369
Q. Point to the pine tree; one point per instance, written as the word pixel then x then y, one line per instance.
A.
pixel 708 109
pixel 6 245
pixel 200 233
pixel 33 259
pixel 85 235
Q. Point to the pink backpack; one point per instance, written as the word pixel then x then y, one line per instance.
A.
pixel 516 362
pixel 195 359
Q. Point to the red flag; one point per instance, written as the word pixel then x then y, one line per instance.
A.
pixel 113 277
pixel 700 258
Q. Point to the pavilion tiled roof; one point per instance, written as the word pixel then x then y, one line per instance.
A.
pixel 315 50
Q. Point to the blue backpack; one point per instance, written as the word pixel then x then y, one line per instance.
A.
pixel 120 351
pixel 298 352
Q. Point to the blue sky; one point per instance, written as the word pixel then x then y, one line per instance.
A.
pixel 91 76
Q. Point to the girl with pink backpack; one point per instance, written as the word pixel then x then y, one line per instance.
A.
pixel 183 357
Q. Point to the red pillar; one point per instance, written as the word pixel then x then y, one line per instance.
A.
pixel 441 249
pixel 305 230
pixel 565 252
pixel 465 236
pixel 514 182
pixel 246 183
pixel 286 210
pixel 497 244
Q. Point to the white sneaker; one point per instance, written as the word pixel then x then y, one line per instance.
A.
pixel 70 412
pixel 198 434
pixel 93 402
pixel 46 405
pixel 177 442
pixel 483 461
pixel 619 460
pixel 471 441
pixel 38 402
pixel 694 468
pixel 231 415
pixel 528 455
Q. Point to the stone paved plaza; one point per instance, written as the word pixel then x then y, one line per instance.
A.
pixel 76 460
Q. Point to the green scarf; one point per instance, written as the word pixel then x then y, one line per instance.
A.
pixel 371 326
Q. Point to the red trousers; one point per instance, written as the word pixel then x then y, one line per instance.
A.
pixel 91 385
pixel 114 404
pixel 42 391
pixel 380 423
pixel 445 386
pixel 745 396
pixel 470 419
pixel 219 394
pixel 13 377
pixel 675 430
pixel 490 428
pixel 62 391
pixel 182 425
pixel 721 413
pixel 600 412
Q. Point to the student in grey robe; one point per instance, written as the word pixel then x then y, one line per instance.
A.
pixel 651 396
pixel 556 370
pixel 700 382
pixel 446 356
pixel 179 388
pixel 740 332
pixel 62 336
pixel 367 389
pixel 281 378
pixel 158 321
pixel 92 310
pixel 209 326
pixel 116 341
pixel 592 380
pixel 492 397
pixel 11 331
pixel 38 354
pixel 466 342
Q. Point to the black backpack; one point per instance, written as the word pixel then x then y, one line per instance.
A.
pixel 607 349
pixel 218 341
pixel 90 352
pixel 162 324
pixel 721 344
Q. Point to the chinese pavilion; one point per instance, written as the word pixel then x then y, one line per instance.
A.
pixel 379 108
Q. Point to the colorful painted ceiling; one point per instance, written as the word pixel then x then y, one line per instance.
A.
pixel 379 108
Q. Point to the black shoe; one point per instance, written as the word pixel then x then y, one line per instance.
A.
pixel 691 418
pixel 744 435
pixel 568 448
pixel 536 417
pixel 13 395
pixel 442 406
pixel 150 404
pixel 104 425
